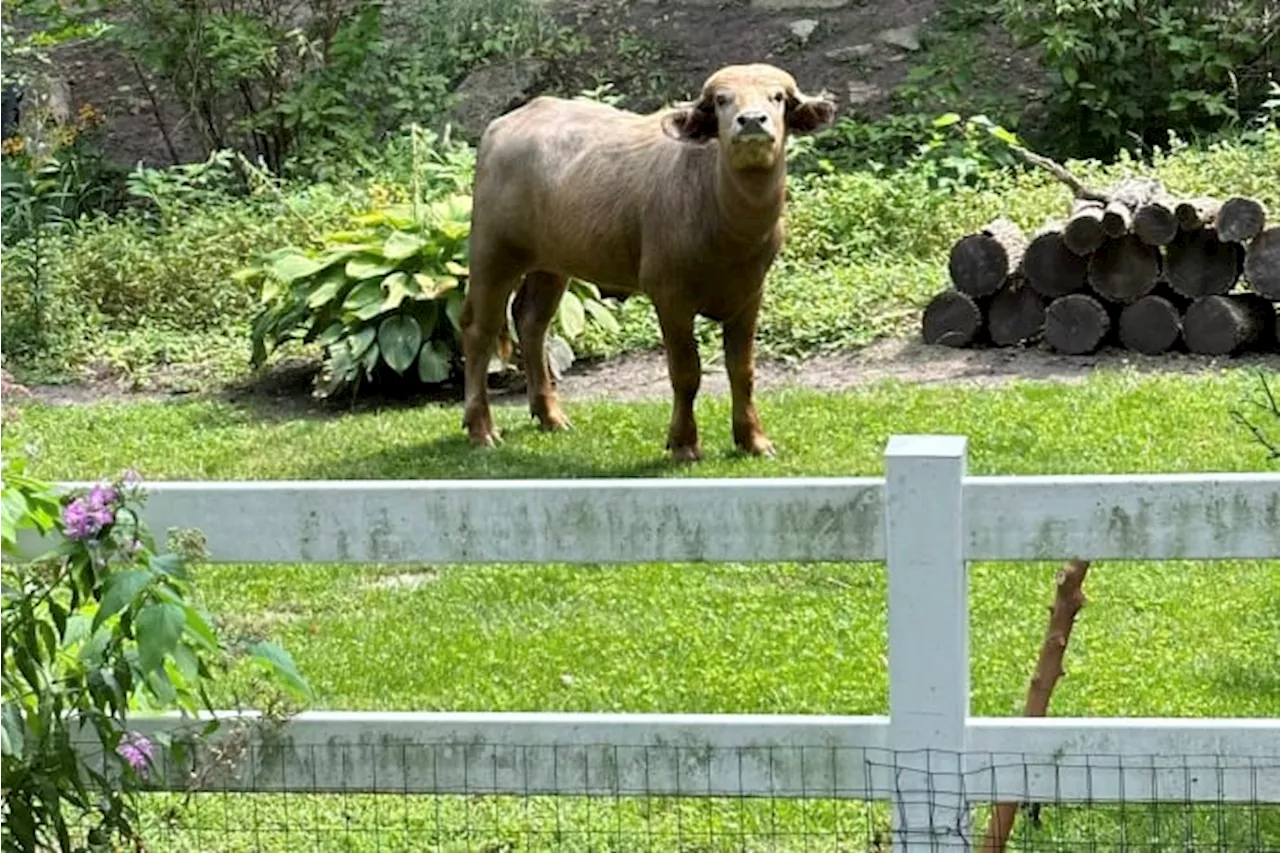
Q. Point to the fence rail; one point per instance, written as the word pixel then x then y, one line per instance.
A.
pixel 925 518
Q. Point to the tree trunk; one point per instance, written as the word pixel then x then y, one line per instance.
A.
pixel 1198 263
pixel 1240 219
pixel 1015 315
pixel 1195 213
pixel 1262 264
pixel 981 262
pixel 1083 232
pixel 1076 324
pixel 1124 270
pixel 1151 326
pixel 1051 268
pixel 1154 222
pixel 1068 599
pixel 1226 325
pixel 951 319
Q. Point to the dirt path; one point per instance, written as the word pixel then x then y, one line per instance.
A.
pixel 643 376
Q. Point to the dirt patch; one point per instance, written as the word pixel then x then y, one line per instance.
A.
pixel 285 390
pixel 644 376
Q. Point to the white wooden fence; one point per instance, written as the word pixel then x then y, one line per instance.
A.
pixel 925 518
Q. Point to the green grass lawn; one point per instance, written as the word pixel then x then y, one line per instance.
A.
pixel 1157 639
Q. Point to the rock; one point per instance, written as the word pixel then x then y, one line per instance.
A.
pixel 850 53
pixel 492 90
pixel 861 92
pixel 799 4
pixel 907 38
pixel 802 29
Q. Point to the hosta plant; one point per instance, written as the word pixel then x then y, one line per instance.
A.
pixel 387 294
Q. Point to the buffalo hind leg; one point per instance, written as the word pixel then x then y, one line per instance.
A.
pixel 739 358
pixel 534 309
pixel 685 369
pixel 484 312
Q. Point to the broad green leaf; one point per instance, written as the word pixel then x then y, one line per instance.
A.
pixel 198 627
pixel 433 362
pixel 369 310
pixel 433 287
pixel 367 266
pixel 14 731
pixel 361 341
pixel 365 293
pixel 453 309
pixel 290 268
pixel 946 120
pixel 327 290
pixel 559 355
pixel 573 319
pixel 397 287
pixel 331 335
pixel 121 589
pixel 400 338
pixel 603 316
pixel 280 662
pixel 401 245
pixel 456 268
pixel 159 626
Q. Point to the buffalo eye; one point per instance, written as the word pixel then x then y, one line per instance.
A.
pixel 722 100
pixel 778 97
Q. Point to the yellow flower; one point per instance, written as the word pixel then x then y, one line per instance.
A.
pixel 13 145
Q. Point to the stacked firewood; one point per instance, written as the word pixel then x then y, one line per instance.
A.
pixel 1132 266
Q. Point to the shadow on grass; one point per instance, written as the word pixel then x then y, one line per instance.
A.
pixel 451 457
pixel 284 392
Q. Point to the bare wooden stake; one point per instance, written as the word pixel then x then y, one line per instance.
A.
pixel 1068 599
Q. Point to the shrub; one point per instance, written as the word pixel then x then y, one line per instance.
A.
pixel 101 626
pixel 318 84
pixel 1122 70
pixel 387 293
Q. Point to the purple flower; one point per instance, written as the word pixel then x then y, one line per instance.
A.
pixel 131 477
pixel 85 517
pixel 137 750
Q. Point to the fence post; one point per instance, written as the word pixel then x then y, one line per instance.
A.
pixel 928 639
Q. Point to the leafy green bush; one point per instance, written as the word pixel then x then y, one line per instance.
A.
pixel 317 85
pixel 101 626
pixel 1123 70
pixel 386 293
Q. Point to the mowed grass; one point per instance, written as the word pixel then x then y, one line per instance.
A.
pixel 1157 639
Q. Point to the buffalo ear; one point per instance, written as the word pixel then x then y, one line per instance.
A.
pixel 692 121
pixel 806 113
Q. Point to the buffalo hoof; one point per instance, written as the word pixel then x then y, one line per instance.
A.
pixel 687 453
pixel 554 422
pixel 759 446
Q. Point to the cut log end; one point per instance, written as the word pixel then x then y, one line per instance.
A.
pixel 951 319
pixel 1155 224
pixel 1262 264
pixel 1053 270
pixel 981 262
pixel 1198 263
pixel 1076 324
pixel 1015 316
pixel 1228 325
pixel 1124 270
pixel 1196 213
pixel 1240 219
pixel 1083 232
pixel 1151 326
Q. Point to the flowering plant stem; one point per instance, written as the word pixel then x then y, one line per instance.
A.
pixel 101 626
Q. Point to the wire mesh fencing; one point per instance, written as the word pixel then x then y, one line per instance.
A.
pixel 371 796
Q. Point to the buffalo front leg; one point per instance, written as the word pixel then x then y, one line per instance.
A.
pixel 534 308
pixel 739 357
pixel 685 369
pixel 484 312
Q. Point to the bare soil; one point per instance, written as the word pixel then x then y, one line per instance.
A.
pixel 285 390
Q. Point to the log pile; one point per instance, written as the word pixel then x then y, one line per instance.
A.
pixel 1133 266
